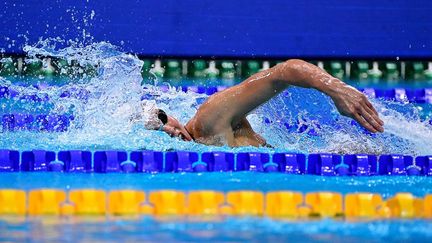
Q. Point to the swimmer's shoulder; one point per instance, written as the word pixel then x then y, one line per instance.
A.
pixel 208 123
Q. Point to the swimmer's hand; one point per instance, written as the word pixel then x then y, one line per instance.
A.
pixel 349 101
pixel 352 103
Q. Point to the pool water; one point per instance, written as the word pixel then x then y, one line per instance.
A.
pixel 102 122
pixel 387 186
pixel 229 229
pixel 226 230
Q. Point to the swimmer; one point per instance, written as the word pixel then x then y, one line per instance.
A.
pixel 221 119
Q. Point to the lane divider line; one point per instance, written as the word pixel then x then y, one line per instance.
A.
pixel 208 203
pixel 148 161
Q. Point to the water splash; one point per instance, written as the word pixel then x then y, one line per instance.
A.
pixel 405 131
pixel 105 104
pixel 113 96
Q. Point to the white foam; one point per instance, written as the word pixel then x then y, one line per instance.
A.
pixel 104 119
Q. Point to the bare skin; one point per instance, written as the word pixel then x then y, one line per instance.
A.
pixel 221 120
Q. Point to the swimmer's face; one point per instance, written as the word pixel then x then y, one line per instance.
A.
pixel 175 129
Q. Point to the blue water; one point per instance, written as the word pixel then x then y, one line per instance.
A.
pixel 221 181
pixel 99 124
pixel 147 229
pixel 407 126
pixel 225 230
pixel 114 229
pixel 102 121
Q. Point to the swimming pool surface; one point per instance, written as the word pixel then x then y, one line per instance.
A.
pixel 227 230
pixel 101 122
pixel 113 229
pixel 221 181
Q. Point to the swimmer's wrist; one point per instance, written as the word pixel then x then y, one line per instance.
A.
pixel 331 86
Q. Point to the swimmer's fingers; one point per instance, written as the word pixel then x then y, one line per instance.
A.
pixel 370 106
pixel 369 109
pixel 374 115
pixel 372 119
pixel 360 119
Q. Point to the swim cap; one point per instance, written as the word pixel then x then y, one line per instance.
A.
pixel 162 116
pixel 153 122
pixel 149 115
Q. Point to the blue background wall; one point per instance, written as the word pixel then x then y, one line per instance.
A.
pixel 240 28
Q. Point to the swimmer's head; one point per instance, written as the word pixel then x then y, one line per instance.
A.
pixel 171 126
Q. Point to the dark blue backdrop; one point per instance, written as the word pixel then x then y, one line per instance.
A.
pixel 240 28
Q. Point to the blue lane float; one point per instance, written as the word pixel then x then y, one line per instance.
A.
pixel 148 161
pixel 219 161
pixel 425 163
pixel 76 93
pixel 15 122
pixel 10 93
pixel 400 94
pixel 417 95
pixel 326 164
pixel 111 161
pixel 183 161
pixel 9 160
pixel 259 162
pixel 4 92
pixel 76 160
pixel 60 123
pixel 422 95
pixel 202 89
pixel 361 164
pixel 38 123
pixel 322 164
pixel 38 160
pixel 290 162
pixel 396 165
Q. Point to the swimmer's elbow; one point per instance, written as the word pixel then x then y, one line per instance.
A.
pixel 299 73
pixel 295 68
pixel 290 71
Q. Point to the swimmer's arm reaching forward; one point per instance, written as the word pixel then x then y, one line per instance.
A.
pixel 230 106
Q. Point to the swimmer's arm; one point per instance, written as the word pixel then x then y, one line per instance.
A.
pixel 348 100
pixel 233 104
